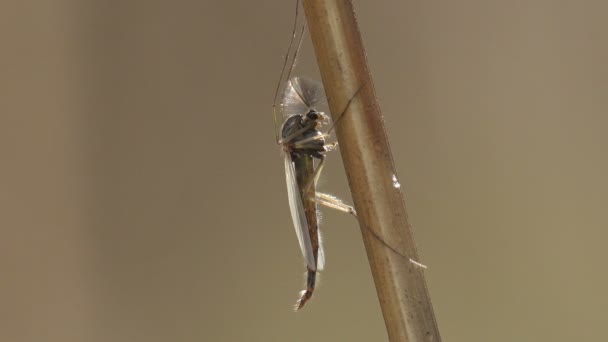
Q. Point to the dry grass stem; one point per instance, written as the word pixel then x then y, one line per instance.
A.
pixel 391 250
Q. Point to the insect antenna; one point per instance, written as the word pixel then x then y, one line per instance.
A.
pixel 299 33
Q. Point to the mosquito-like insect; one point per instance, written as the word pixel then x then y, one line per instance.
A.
pixel 302 143
pixel 303 146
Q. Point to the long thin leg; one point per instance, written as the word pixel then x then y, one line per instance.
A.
pixel 333 202
pixel 327 200
pixel 315 176
pixel 302 143
pixel 295 56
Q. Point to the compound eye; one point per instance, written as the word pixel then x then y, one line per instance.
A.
pixel 312 115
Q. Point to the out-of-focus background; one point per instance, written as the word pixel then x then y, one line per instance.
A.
pixel 143 199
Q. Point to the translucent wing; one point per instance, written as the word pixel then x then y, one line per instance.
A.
pixel 320 255
pixel 301 95
pixel 297 213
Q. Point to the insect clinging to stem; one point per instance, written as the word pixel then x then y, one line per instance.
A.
pixel 302 143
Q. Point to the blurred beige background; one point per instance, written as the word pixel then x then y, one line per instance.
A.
pixel 143 196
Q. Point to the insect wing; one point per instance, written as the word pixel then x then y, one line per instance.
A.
pixel 301 95
pixel 297 213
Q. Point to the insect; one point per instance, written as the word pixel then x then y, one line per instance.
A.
pixel 303 146
pixel 302 143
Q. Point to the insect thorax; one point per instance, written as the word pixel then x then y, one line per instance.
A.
pixel 310 141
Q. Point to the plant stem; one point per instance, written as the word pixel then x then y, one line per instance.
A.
pixel 387 235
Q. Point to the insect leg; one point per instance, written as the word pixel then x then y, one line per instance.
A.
pixel 327 200
pixel 297 34
pixel 333 202
pixel 316 174
pixel 303 143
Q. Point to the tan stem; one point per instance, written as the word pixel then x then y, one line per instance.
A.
pixel 387 235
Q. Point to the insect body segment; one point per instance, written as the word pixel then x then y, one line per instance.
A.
pixel 300 135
